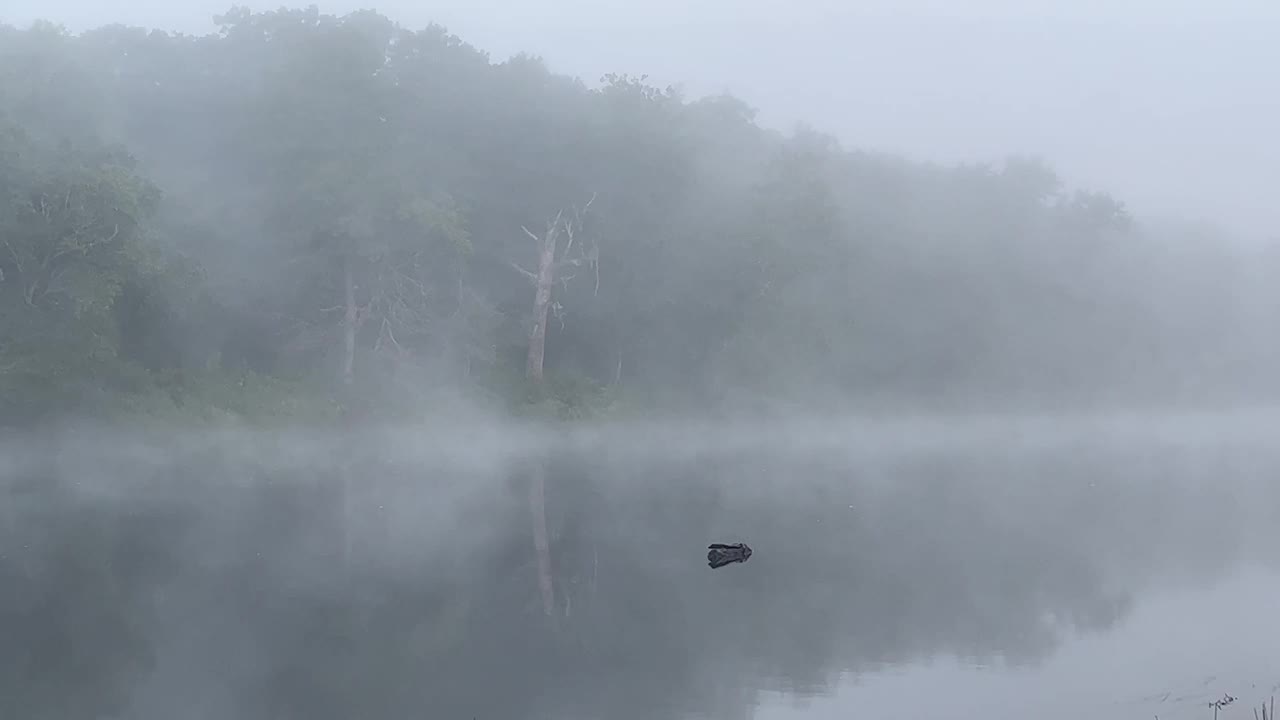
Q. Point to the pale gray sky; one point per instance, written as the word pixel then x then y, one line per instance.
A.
pixel 1170 104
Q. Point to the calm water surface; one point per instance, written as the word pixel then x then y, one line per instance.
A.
pixel 978 569
pixel 1181 650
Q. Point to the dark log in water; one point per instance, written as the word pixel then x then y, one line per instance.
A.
pixel 719 555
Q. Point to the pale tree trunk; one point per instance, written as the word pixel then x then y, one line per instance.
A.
pixel 543 280
pixel 617 371
pixel 533 370
pixel 541 545
pixel 349 321
pixel 344 500
pixel 541 304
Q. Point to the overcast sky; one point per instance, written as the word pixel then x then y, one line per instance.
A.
pixel 1173 105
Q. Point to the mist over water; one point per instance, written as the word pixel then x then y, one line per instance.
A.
pixel 940 563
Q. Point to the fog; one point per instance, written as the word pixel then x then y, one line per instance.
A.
pixel 1161 102
pixel 404 363
pixel 388 573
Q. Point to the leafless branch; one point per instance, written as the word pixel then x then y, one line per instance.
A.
pixel 387 332
pixel 362 313
pixel 51 284
pixel 17 261
pixel 568 263
pixel 421 288
pixel 392 336
pixel 557 310
pixel 457 308
pixel 530 233
pixel 82 249
pixel 568 230
pixel 529 275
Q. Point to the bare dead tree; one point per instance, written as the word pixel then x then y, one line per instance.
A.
pixel 556 265
pixel 350 323
pixel 541 544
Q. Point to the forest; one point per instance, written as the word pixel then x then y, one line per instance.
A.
pixel 309 217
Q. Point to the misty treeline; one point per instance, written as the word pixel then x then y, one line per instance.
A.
pixel 301 203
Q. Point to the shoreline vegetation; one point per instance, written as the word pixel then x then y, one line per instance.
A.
pixel 317 219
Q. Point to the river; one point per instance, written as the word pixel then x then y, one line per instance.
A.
pixel 932 568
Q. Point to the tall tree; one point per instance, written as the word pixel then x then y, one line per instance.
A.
pixel 73 225
pixel 558 262
pixel 379 246
pixel 563 248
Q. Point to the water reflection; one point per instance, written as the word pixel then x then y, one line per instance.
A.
pixel 1181 650
pixel 366 580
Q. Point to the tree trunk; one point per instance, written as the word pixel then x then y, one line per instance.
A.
pixel 541 545
pixel 543 279
pixel 541 303
pixel 349 320
pixel 346 521
pixel 533 371
pixel 617 371
pixel 348 323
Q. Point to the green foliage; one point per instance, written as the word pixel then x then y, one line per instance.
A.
pixel 72 237
pixel 214 397
pixel 563 395
pixel 341 191
pixel 571 396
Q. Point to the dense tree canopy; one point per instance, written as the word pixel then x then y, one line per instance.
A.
pixel 308 200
